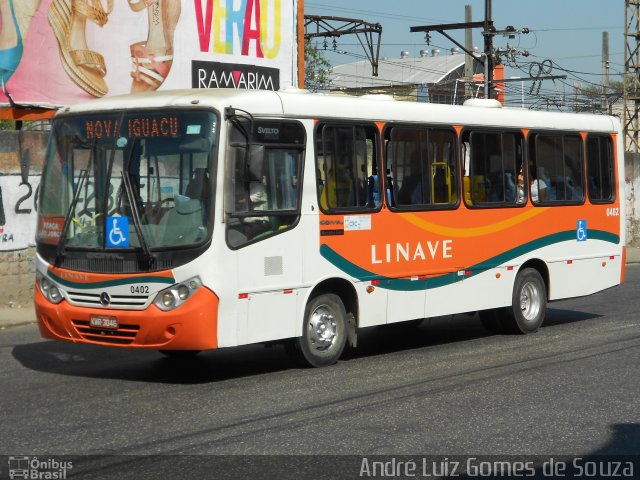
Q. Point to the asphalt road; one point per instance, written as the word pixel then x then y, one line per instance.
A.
pixel 447 387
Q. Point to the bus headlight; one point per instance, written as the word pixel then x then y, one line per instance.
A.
pixel 183 292
pixel 54 294
pixel 174 296
pixel 48 289
pixel 168 300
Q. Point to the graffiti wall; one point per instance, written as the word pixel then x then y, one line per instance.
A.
pixel 53 52
pixel 17 205
pixel 21 156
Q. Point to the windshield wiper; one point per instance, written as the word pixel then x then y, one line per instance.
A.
pixel 67 219
pixel 135 215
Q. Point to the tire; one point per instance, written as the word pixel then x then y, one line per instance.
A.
pixel 529 303
pixel 324 332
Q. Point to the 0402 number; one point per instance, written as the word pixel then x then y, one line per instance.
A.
pixel 613 212
pixel 140 289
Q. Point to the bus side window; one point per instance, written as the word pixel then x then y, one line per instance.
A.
pixel 557 165
pixel 600 169
pixel 262 196
pixel 347 161
pixel 423 162
pixel 492 163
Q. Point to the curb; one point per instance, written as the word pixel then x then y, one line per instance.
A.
pixel 13 317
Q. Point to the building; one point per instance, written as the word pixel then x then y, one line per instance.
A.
pixel 431 77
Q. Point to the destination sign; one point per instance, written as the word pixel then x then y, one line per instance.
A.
pixel 134 127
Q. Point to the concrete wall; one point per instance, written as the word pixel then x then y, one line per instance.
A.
pixel 632 196
pixel 21 155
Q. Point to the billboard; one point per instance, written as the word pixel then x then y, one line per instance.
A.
pixel 59 52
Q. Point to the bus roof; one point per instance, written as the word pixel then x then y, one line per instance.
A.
pixel 301 104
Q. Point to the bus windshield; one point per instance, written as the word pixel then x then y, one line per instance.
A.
pixel 129 181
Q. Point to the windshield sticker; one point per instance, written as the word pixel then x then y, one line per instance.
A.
pixel 122 142
pixel 50 228
pixel 193 129
pixel 117 232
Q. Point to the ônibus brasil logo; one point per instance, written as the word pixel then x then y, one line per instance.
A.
pixel 38 468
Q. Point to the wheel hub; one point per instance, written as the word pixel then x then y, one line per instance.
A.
pixel 322 328
pixel 530 301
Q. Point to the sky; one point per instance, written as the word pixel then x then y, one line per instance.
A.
pixel 568 32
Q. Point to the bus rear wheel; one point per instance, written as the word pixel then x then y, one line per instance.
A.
pixel 324 333
pixel 529 303
pixel 526 314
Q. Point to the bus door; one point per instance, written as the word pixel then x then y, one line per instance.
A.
pixel 262 203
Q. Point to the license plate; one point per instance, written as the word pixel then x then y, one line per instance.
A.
pixel 103 321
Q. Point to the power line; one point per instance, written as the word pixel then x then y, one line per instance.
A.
pixel 563 94
pixel 392 16
pixel 572 29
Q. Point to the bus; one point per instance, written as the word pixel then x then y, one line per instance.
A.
pixel 193 220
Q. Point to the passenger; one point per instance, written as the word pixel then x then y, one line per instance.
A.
pixel 389 186
pixel 520 186
pixel 573 192
pixel 551 189
pixel 538 188
pixel 511 189
pixel 338 188
pixel 258 201
pixel 410 192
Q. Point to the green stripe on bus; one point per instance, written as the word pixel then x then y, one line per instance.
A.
pixel 401 284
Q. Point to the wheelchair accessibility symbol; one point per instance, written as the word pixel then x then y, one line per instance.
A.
pixel 117 232
pixel 581 231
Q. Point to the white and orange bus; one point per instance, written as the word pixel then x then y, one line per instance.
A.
pixel 200 219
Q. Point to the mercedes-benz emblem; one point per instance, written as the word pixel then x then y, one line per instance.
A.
pixel 105 299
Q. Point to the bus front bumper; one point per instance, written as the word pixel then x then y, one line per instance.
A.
pixel 191 326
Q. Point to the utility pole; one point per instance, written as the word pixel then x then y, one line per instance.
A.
pixel 468 59
pixel 488 49
pixel 605 73
pixel 488 60
pixel 488 33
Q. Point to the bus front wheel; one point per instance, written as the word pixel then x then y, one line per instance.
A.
pixel 324 332
pixel 529 302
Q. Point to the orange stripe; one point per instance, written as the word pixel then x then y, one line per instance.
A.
pixel 472 231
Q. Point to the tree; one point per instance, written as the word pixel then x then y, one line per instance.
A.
pixel 316 68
